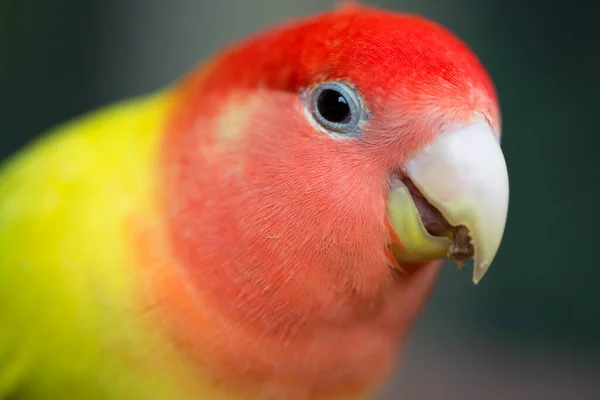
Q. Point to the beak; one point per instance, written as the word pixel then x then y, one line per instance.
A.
pixel 452 200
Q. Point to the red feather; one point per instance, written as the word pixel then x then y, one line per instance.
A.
pixel 280 231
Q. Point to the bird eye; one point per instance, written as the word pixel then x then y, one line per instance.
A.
pixel 337 108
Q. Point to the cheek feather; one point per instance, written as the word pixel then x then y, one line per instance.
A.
pixel 231 357
pixel 280 267
pixel 292 177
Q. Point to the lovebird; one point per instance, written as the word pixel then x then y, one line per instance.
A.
pixel 269 226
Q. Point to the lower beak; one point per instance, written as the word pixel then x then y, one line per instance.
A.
pixel 452 200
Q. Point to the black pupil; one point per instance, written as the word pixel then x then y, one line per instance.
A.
pixel 333 106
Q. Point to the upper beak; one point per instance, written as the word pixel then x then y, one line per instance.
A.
pixel 462 175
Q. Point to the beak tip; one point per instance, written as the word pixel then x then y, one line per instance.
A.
pixel 479 271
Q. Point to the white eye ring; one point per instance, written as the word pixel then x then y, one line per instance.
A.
pixel 337 108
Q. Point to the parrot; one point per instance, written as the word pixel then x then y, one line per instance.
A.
pixel 268 226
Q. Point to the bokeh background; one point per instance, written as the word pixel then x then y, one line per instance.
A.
pixel 531 329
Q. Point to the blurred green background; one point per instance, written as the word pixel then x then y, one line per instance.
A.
pixel 531 329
